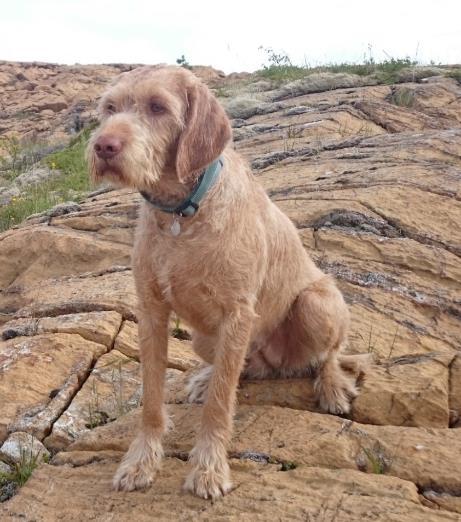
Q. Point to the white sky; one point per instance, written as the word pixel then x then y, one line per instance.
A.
pixel 227 34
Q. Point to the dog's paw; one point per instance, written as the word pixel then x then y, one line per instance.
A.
pixel 336 398
pixel 133 476
pixel 197 385
pixel 140 464
pixel 208 483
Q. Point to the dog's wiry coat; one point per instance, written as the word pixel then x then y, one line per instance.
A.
pixel 237 273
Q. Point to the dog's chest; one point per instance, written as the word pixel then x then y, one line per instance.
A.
pixel 191 289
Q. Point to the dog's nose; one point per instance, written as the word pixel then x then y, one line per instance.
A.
pixel 107 147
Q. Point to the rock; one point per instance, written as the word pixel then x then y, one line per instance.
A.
pixel 8 193
pixel 114 290
pixel 455 391
pixel 294 111
pixel 31 255
pixel 444 500
pixel 5 469
pixel 113 388
pixel 426 457
pixel 7 490
pixel 243 107
pixel 100 327
pixel 319 82
pixel 35 176
pixel 369 174
pixel 127 340
pixel 64 208
pixel 307 492
pixel 20 446
pixel 56 105
pixel 39 376
pixel 180 353
pixel 406 391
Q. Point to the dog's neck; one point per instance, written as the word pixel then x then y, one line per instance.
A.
pixel 189 204
pixel 169 191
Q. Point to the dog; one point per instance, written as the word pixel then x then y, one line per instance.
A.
pixel 228 262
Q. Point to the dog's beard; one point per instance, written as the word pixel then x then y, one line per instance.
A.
pixel 130 169
pixel 140 164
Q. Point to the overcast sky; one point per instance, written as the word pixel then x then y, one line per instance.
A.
pixel 227 34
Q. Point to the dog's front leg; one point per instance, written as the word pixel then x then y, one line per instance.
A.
pixel 144 456
pixel 210 475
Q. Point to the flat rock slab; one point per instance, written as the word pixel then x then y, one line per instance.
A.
pixel 429 457
pixel 39 375
pixel 100 327
pixel 35 253
pixel 97 291
pixel 261 493
pixel 113 388
pixel 455 391
pixel 180 353
pixel 410 390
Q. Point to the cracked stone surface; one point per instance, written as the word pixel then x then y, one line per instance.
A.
pixel 374 188
pixel 113 389
pixel 39 376
pixel 19 444
pixel 180 353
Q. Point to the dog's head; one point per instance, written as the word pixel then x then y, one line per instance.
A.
pixel 156 120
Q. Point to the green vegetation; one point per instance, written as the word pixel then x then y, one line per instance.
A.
pixel 21 155
pixel 374 459
pixel 288 465
pixel 116 402
pixel 403 97
pixel 456 74
pixel 182 61
pixel 71 184
pixel 178 332
pixel 20 472
pixel 13 167
pixel 280 68
pixel 377 461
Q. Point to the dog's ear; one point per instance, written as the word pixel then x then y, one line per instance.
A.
pixel 206 132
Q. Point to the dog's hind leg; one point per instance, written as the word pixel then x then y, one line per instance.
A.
pixel 315 331
pixel 309 343
pixel 197 384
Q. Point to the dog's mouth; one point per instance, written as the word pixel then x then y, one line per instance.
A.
pixel 107 167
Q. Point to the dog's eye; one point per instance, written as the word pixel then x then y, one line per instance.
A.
pixel 156 108
pixel 110 108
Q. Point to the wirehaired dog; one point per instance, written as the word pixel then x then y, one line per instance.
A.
pixel 214 249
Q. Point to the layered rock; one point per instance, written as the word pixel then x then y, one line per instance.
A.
pixel 371 177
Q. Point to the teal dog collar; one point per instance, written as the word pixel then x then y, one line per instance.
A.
pixel 191 205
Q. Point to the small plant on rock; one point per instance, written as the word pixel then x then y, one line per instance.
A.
pixel 403 97
pixel 374 460
pixel 183 62
pixel 279 66
pixel 178 332
pixel 20 472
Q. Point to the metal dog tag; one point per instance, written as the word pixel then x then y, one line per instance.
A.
pixel 175 227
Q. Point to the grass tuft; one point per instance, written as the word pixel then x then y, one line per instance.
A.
pixel 403 97
pixel 20 472
pixel 280 68
pixel 70 185
pixel 455 74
